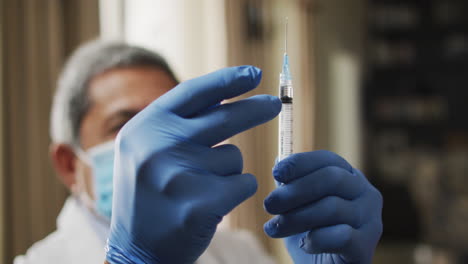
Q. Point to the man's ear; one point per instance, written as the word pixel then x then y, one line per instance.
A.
pixel 64 161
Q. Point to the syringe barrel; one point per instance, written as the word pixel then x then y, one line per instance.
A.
pixel 285 144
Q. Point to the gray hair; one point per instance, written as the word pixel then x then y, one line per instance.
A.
pixel 71 101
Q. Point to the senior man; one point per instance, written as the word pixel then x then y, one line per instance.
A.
pixel 172 187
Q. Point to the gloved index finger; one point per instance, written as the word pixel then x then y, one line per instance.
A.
pixel 193 96
pixel 212 127
pixel 300 164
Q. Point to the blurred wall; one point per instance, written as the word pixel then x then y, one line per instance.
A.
pixel 191 35
pixel 339 51
pixel 112 19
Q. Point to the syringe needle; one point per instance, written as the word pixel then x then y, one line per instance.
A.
pixel 286 36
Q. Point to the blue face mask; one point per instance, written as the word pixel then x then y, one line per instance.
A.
pixel 101 160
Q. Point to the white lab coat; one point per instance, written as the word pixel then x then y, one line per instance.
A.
pixel 81 236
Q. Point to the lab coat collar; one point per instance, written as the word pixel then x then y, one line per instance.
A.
pixel 76 216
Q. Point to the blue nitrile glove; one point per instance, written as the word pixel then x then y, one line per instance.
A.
pixel 172 187
pixel 326 210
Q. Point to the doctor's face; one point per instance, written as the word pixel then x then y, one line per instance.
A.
pixel 115 97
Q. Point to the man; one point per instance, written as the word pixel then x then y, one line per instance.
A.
pixel 172 186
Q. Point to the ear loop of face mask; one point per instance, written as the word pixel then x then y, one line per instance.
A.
pixel 82 193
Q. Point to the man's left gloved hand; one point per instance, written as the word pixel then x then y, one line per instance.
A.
pixel 325 209
pixel 173 184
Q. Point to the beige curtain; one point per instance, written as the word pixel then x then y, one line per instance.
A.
pixel 2 189
pixel 36 37
pixel 259 145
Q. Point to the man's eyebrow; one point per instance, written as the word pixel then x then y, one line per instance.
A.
pixel 125 113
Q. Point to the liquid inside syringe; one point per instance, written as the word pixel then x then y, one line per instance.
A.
pixel 286 121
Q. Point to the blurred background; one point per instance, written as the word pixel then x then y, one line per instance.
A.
pixel 381 82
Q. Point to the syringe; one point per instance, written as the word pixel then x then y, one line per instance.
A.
pixel 286 96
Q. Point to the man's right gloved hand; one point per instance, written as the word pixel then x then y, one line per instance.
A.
pixel 171 186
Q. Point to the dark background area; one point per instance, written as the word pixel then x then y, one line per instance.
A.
pixel 415 112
